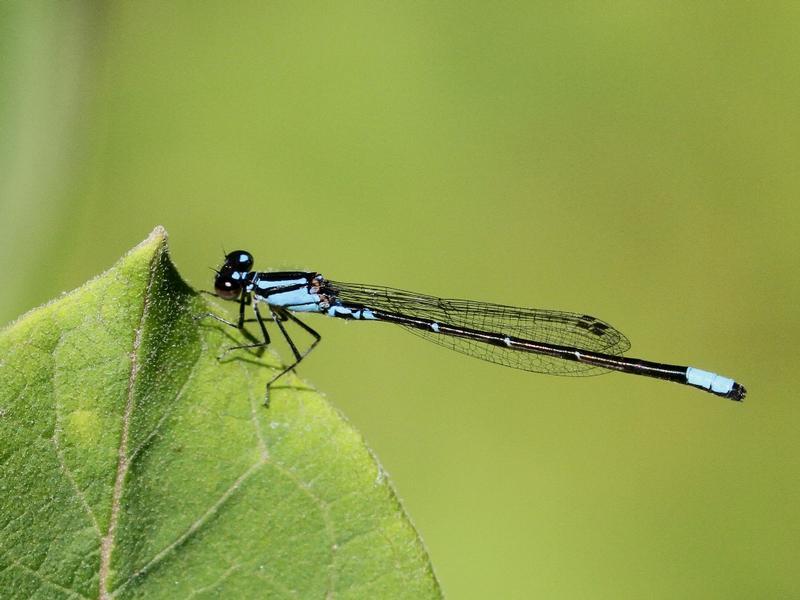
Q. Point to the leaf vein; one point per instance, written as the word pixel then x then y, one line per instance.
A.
pixel 167 413
pixel 228 572
pixel 262 444
pixel 65 470
pixel 43 579
pixel 323 504
pixel 107 542
pixel 194 527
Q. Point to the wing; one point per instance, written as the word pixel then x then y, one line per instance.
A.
pixel 573 330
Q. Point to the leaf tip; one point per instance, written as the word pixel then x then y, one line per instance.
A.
pixel 156 241
pixel 159 231
pixel 158 235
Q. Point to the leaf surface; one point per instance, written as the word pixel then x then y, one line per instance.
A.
pixel 134 464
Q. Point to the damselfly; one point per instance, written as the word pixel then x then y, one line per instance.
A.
pixel 543 341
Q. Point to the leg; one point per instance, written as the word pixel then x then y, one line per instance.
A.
pixel 217 318
pixel 265 342
pixel 279 315
pixel 279 320
pixel 243 300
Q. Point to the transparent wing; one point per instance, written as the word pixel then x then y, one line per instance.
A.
pixel 549 326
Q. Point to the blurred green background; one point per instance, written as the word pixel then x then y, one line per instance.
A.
pixel 638 161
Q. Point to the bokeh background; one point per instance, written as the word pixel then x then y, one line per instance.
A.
pixel 634 160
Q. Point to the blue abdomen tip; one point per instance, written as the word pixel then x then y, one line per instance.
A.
pixel 716 384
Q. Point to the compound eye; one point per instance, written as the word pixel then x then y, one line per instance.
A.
pixel 239 260
pixel 227 288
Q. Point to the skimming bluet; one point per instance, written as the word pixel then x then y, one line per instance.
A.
pixel 542 341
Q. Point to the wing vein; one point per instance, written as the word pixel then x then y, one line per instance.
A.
pixel 573 330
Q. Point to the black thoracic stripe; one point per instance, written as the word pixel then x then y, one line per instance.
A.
pixel 286 275
pixel 280 290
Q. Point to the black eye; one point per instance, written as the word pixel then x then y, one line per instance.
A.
pixel 226 287
pixel 239 260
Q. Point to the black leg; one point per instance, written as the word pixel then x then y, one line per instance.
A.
pixel 261 323
pixel 259 320
pixel 279 320
pixel 244 299
pixel 279 315
pixel 244 331
pixel 216 317
pixel 241 308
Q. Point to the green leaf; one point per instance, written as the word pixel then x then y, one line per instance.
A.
pixel 134 464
